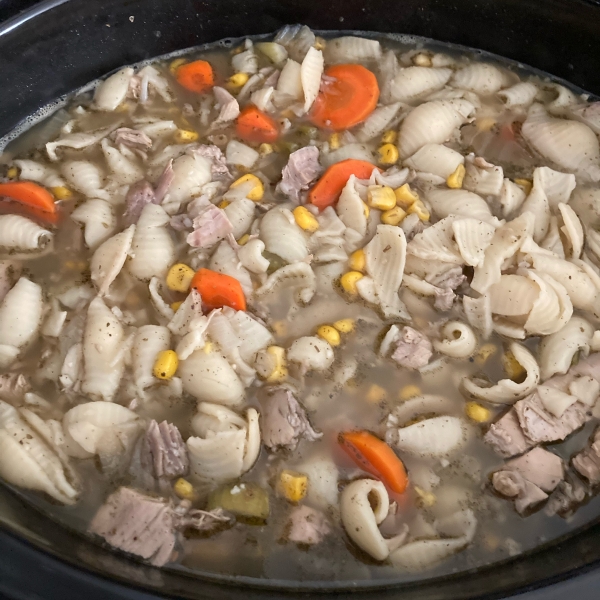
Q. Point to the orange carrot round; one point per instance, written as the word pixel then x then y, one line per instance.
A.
pixel 253 125
pixel 196 76
pixel 376 457
pixel 328 189
pixel 348 100
pixel 218 290
pixel 9 207
pixel 29 194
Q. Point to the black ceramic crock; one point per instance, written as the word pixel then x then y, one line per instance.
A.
pixel 53 47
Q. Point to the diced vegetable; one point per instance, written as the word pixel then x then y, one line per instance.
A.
pixel 349 280
pixel 166 364
pixel 292 486
pixel 29 194
pixel 357 260
pixel 246 500
pixel 376 457
pixel 62 193
pixel 253 125
pixel 394 216
pixel 179 278
pixel 346 101
pixel 257 191
pixel 419 209
pixel 184 489
pixel 381 197
pixel 185 136
pixel 344 325
pixel 477 413
pixel 196 76
pixel 409 391
pixel 388 154
pixel 328 189
pixel 219 290
pixel 455 180
pixel 330 334
pixel 376 394
pixel 305 219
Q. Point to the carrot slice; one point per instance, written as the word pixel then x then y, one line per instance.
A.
pixel 348 100
pixel 218 290
pixel 253 125
pixel 9 207
pixel 328 189
pixel 30 194
pixel 196 76
pixel 375 457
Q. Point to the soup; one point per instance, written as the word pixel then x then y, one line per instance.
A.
pixel 307 309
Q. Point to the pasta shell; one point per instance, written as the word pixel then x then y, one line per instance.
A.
pixel 77 141
pixel 351 49
pixel 479 313
pixel 122 169
pixel 378 121
pixel 552 242
pixel 282 236
pixel 252 336
pixel 458 340
pixel 21 314
pixel 572 229
pixel 351 209
pixel 486 181
pixel 225 260
pixel 459 202
pixel 310 75
pixel 512 197
pixel 34 171
pixel 437 159
pixel 210 378
pixel 158 301
pixel 556 185
pixel 472 238
pixel 102 352
pixel 22 235
pixel 251 256
pixel 413 83
pixel 436 243
pixel 480 78
pixel 241 215
pixel 149 340
pixel 190 173
pixel 552 309
pixel 353 150
pixel 289 84
pixel 98 219
pixel 570 145
pixel 513 295
pixel 521 94
pixel 108 260
pixel 111 92
pixel 187 314
pixel 311 352
pixel 431 123
pixel 435 437
pixel 298 275
pixel 86 178
pixel 323 474
pixel 245 62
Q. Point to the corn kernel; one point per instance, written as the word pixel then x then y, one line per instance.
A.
pixel 484 353
pixel 244 239
pixel 180 277
pixel 208 348
pixel 185 136
pixel 280 371
pixel 258 189
pixel 513 368
pixel 12 173
pixel 305 219
pixel 388 154
pixel 349 280
pixel 366 210
pixel 485 124
pixel 320 43
pixel 265 149
pixel 175 305
pixel 237 81
pixel 381 197
pixel 422 60
pixel 357 260
pixel 279 327
pixel 389 137
pixel 376 394
pixel 61 192
pixel 394 216
pixel 344 325
pixel 419 209
pixel 329 334
pixel 477 413
pixel 223 204
pixel 166 364
pixel 334 141
pixel 178 62
pixel 425 499
pixel 292 486
pixel 405 196
pixel 455 180
pixel 184 489
pixel 526 184
pixel 409 391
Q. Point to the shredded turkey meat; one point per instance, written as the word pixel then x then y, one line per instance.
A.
pixel 413 350
pixel 307 526
pixel 13 387
pixel 142 193
pixel 587 462
pixel 219 168
pixel 132 138
pixel 301 170
pixel 164 453
pixel 210 226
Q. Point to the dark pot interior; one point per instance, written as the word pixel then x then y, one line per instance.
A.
pixel 56 46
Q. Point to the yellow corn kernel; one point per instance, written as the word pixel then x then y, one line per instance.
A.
pixel 185 136
pixel 305 219
pixel 388 154
pixel 334 141
pixel 329 334
pixel 292 486
pixel 419 209
pixel 381 197
pixel 265 149
pixel 224 204
pixel 180 277
pixel 422 60
pixel 320 43
pixel 61 192
pixel 389 137
pixel 208 348
pixel 175 305
pixel 485 124
pixel 366 210
pixel 394 216
pixel 258 189
pixel 279 327
pixel 376 394
pixel 455 180
pixel 477 413
pixel 349 280
pixel 12 173
pixel 357 260
pixel 513 368
pixel 405 196
pixel 280 371
pixel 344 325
pixel 526 184
pixel 184 489
pixel 237 81
pixel 409 391
pixel 178 62
pixel 166 364
pixel 425 499
pixel 244 239
pixel 484 353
